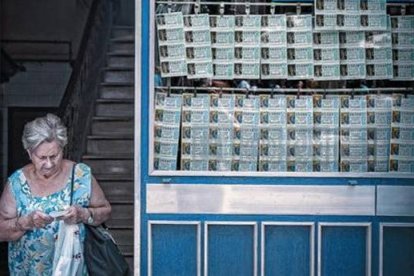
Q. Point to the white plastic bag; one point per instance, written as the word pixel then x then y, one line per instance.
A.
pixel 68 258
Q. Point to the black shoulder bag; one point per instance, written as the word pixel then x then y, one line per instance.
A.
pixel 102 255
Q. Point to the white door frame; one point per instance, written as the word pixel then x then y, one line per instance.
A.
pixel 137 139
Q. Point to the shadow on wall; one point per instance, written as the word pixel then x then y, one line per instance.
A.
pixel 8 67
pixel 4 270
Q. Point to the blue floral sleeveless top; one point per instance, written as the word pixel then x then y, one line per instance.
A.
pixel 33 253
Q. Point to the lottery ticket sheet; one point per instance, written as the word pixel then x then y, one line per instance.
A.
pixel 300 133
pixel 326 132
pixel 379 116
pixel 326 58
pixel 222 40
pixel 378 55
pixel 273 47
pixel 354 143
pixel 402 134
pixel 198 46
pixel 171 47
pixel 273 133
pixel 247 46
pixel 166 130
pixel 246 133
pixel 402 38
pixel 221 132
pixel 195 132
pixel 299 47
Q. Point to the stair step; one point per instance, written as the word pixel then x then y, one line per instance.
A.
pixel 124 239
pixel 126 60
pixel 127 250
pixel 109 156
pixel 115 136
pixel 121 201
pixel 112 125
pixel 126 54
pixel 113 74
pixel 123 236
pixel 105 145
pixel 106 165
pixel 123 90
pixel 124 39
pixel 118 191
pixel 122 216
pixel 115 107
pixel 111 177
pixel 109 101
pixel 130 260
pixel 121 48
pixel 120 31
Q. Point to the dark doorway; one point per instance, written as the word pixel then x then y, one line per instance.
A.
pixel 18 117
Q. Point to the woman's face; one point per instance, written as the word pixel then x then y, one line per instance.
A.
pixel 47 158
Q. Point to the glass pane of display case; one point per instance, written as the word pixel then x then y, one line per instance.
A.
pixel 323 88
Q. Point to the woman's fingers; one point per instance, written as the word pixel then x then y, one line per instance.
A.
pixel 74 215
pixel 39 219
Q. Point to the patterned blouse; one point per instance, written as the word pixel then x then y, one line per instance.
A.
pixel 33 253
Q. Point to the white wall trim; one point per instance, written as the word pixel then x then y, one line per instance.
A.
pixel 368 242
pixel 261 199
pixel 137 139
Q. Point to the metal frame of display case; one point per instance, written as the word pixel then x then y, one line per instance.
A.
pixel 181 89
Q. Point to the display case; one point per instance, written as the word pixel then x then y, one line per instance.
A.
pixel 275 89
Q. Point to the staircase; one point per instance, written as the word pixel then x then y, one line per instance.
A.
pixel 110 145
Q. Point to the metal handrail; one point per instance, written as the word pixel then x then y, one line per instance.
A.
pixel 267 4
pixel 190 89
pixel 76 107
pixel 295 3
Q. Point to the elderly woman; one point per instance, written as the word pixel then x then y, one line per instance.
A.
pixel 41 188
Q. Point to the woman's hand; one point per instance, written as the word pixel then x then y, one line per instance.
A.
pixel 35 219
pixel 76 214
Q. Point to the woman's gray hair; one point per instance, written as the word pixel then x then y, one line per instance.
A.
pixel 44 129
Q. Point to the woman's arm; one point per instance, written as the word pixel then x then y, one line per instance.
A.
pixel 10 227
pixel 99 208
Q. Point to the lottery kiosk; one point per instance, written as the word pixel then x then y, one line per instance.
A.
pixel 275 138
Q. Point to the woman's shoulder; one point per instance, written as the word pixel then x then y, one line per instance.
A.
pixel 81 169
pixel 84 167
pixel 78 166
pixel 19 174
pixel 17 181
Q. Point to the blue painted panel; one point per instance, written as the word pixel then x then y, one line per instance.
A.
pixel 287 250
pixel 174 249
pixel 343 251
pixel 230 250
pixel 398 251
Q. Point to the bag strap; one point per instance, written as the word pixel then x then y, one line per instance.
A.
pixel 72 180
